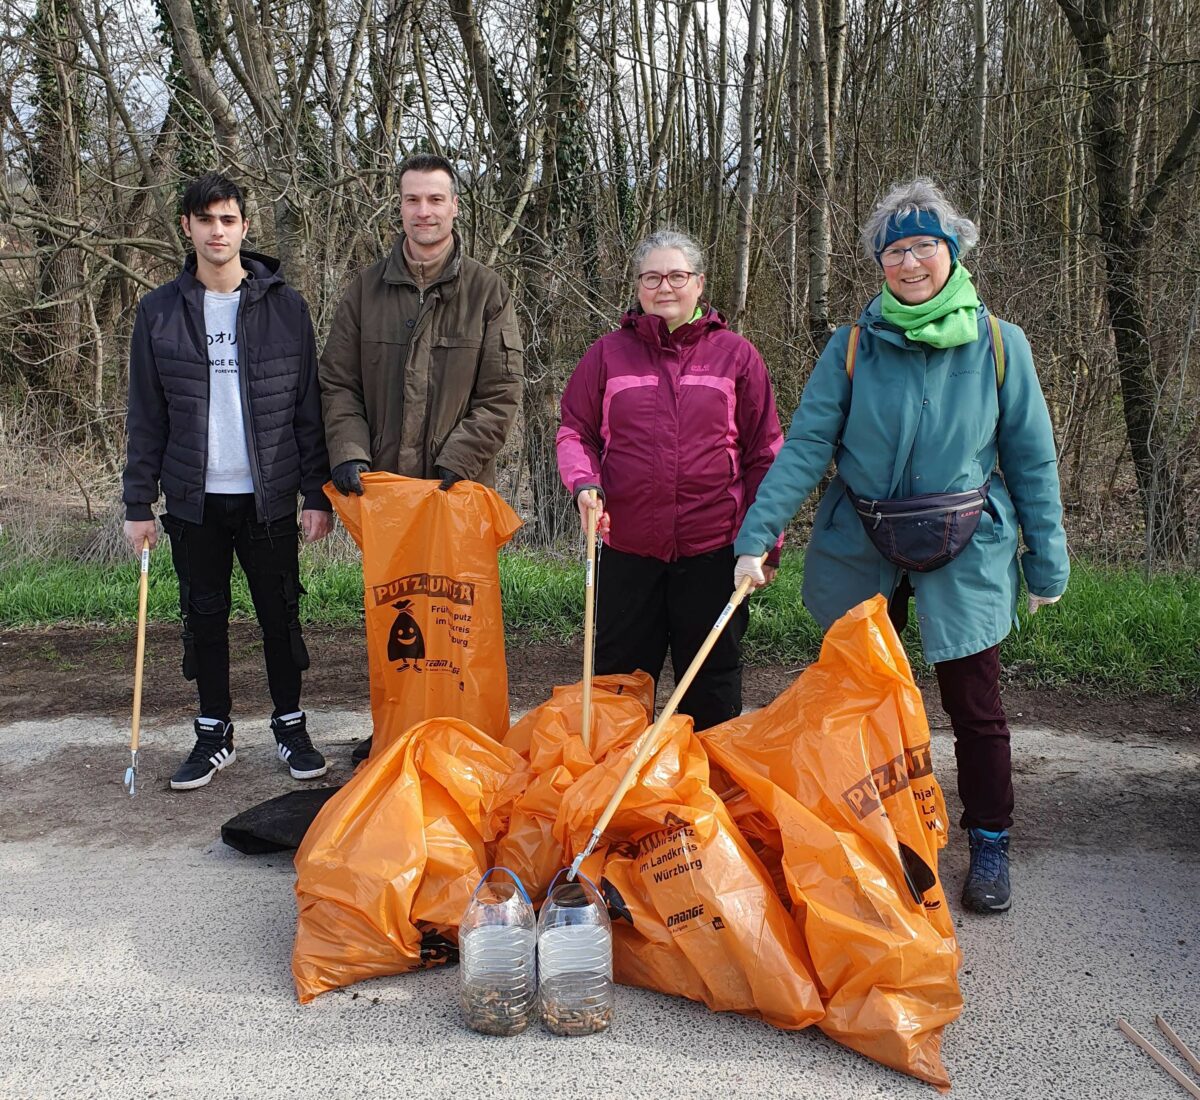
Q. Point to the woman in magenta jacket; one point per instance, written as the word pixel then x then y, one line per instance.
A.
pixel 668 426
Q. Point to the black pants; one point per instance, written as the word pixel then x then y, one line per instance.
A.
pixel 644 606
pixel 203 557
pixel 970 690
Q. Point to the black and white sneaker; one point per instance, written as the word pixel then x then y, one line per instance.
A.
pixel 294 747
pixel 213 751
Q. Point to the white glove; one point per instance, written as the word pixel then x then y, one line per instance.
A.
pixel 749 565
pixel 1039 601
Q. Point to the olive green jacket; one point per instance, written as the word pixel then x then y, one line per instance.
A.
pixel 442 392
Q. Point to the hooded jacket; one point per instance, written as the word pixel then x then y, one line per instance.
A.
pixel 443 394
pixel 677 428
pixel 916 420
pixel 167 421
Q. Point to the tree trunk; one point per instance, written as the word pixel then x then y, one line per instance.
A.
pixel 791 247
pixel 1124 240
pixel 745 173
pixel 979 116
pixel 51 332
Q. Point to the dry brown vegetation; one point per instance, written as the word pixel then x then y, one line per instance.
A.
pixel 1067 129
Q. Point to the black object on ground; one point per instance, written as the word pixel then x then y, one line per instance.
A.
pixel 278 824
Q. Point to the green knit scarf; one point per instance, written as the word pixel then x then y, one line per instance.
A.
pixel 947 320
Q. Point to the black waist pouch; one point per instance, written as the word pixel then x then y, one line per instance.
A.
pixel 921 533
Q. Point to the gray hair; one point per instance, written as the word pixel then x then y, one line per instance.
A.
pixel 906 198
pixel 693 254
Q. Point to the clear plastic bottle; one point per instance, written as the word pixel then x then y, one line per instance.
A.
pixel 497 944
pixel 575 985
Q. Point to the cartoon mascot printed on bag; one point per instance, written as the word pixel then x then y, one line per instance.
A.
pixel 406 642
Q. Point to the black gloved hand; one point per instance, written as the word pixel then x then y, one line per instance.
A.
pixel 449 477
pixel 345 476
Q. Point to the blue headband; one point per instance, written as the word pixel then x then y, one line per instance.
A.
pixel 917 223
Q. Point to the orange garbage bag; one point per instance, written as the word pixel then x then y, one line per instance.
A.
pixel 549 737
pixel 694 911
pixel 840 789
pixel 431 590
pixel 387 867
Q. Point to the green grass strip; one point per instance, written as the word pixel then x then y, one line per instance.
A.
pixel 1115 630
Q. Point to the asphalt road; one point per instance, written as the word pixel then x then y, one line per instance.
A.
pixel 141 957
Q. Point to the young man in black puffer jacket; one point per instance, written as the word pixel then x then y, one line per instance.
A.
pixel 225 414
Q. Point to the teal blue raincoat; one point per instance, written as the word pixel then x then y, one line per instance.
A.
pixel 918 419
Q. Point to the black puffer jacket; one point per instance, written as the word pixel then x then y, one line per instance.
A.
pixel 167 423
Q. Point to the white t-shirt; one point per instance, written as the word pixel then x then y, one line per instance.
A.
pixel 228 469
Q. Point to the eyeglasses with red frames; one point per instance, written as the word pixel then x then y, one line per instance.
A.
pixel 677 280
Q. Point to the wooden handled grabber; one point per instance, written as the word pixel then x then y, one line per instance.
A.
pixel 1172 1071
pixel 135 728
pixel 589 629
pixel 651 738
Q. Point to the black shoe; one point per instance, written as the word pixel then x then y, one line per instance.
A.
pixel 361 751
pixel 986 889
pixel 295 749
pixel 213 751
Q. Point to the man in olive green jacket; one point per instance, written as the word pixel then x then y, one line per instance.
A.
pixel 421 374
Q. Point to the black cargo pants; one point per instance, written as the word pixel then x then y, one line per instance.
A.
pixel 269 556
pixel 645 605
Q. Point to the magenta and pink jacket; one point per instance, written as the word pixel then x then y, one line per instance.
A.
pixel 677 428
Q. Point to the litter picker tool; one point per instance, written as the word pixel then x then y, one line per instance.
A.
pixel 589 629
pixel 651 738
pixel 135 726
pixel 1158 1056
pixel 1178 1044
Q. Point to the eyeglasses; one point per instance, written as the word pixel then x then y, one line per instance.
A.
pixel 922 250
pixel 677 280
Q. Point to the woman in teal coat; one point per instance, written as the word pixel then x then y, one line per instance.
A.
pixel 929 402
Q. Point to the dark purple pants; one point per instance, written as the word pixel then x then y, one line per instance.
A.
pixel 970 690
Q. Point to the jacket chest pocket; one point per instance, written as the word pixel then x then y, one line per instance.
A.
pixel 455 361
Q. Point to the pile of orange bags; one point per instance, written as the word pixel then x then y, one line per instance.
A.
pixel 782 865
pixel 694 912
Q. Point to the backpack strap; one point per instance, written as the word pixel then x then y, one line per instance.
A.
pixel 852 350
pixel 997 342
pixel 995 339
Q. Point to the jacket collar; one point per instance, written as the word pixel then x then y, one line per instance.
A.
pixel 653 329
pixel 395 270
pixel 262 274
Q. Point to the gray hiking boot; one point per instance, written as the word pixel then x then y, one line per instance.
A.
pixel 986 889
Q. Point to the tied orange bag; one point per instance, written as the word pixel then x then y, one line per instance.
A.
pixel 549 737
pixel 386 870
pixel 431 590
pixel 694 912
pixel 839 767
